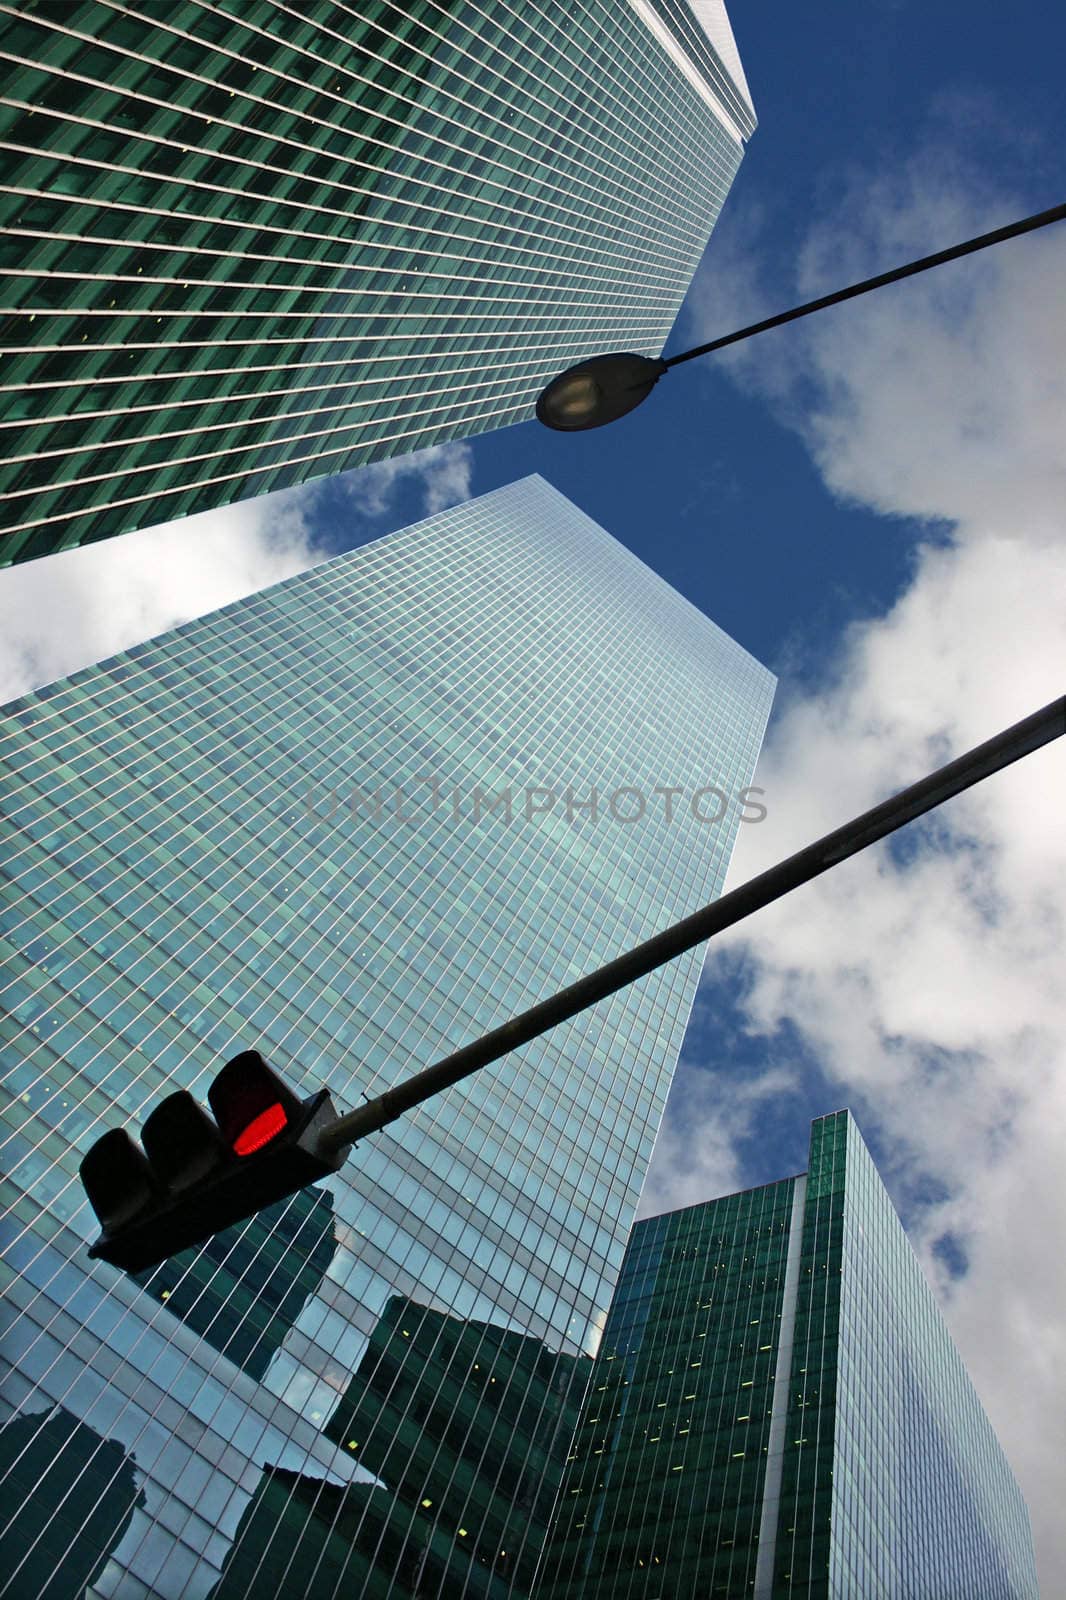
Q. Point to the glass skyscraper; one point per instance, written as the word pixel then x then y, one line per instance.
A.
pixel 352 821
pixel 778 1410
pixel 248 243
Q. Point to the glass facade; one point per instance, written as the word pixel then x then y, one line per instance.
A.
pixel 249 243
pixel 462 1419
pixel 245 1288
pixel 922 1497
pixel 75 1492
pixel 777 1410
pixel 354 821
pixel 665 1482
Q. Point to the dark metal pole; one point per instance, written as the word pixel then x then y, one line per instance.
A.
pixel 1011 231
pixel 883 819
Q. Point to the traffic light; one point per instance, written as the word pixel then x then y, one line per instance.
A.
pixel 192 1176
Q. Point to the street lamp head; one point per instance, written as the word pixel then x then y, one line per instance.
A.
pixel 598 390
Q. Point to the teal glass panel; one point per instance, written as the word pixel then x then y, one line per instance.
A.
pixel 664 1488
pixel 922 1497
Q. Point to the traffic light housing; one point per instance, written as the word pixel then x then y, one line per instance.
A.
pixel 193 1175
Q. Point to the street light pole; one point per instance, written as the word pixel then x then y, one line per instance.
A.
pixel 998 235
pixel 996 753
pixel 603 388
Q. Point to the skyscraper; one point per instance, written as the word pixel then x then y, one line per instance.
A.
pixel 778 1410
pixel 464 1419
pixel 249 244
pixel 354 821
pixel 246 1287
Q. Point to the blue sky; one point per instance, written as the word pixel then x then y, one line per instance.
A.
pixel 872 503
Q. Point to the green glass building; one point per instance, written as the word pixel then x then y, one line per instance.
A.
pixel 354 821
pixel 778 1411
pixel 467 1420
pixel 245 1289
pixel 248 243
pixel 42 1456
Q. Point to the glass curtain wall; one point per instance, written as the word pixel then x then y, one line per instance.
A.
pixel 778 1410
pixel 355 821
pixel 248 243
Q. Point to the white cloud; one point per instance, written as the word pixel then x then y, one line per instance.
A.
pixel 64 611
pixel 697 1152
pixel 445 471
pixel 929 984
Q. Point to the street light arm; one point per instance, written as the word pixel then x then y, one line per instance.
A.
pixel 1006 747
pixel 997 236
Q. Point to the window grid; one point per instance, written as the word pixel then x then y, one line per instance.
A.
pixel 225 231
pixel 173 899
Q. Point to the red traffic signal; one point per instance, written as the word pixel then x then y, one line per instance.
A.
pixel 196 1176
pixel 251 1104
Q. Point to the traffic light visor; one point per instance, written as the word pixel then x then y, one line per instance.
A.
pixel 251 1104
pixel 181 1142
pixel 117 1179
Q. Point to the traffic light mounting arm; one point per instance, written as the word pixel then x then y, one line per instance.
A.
pixel 193 1179
pixel 877 823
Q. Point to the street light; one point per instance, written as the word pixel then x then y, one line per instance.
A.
pixel 598 391
pixel 603 388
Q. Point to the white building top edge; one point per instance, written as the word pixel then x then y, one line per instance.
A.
pixel 661 32
pixel 712 18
